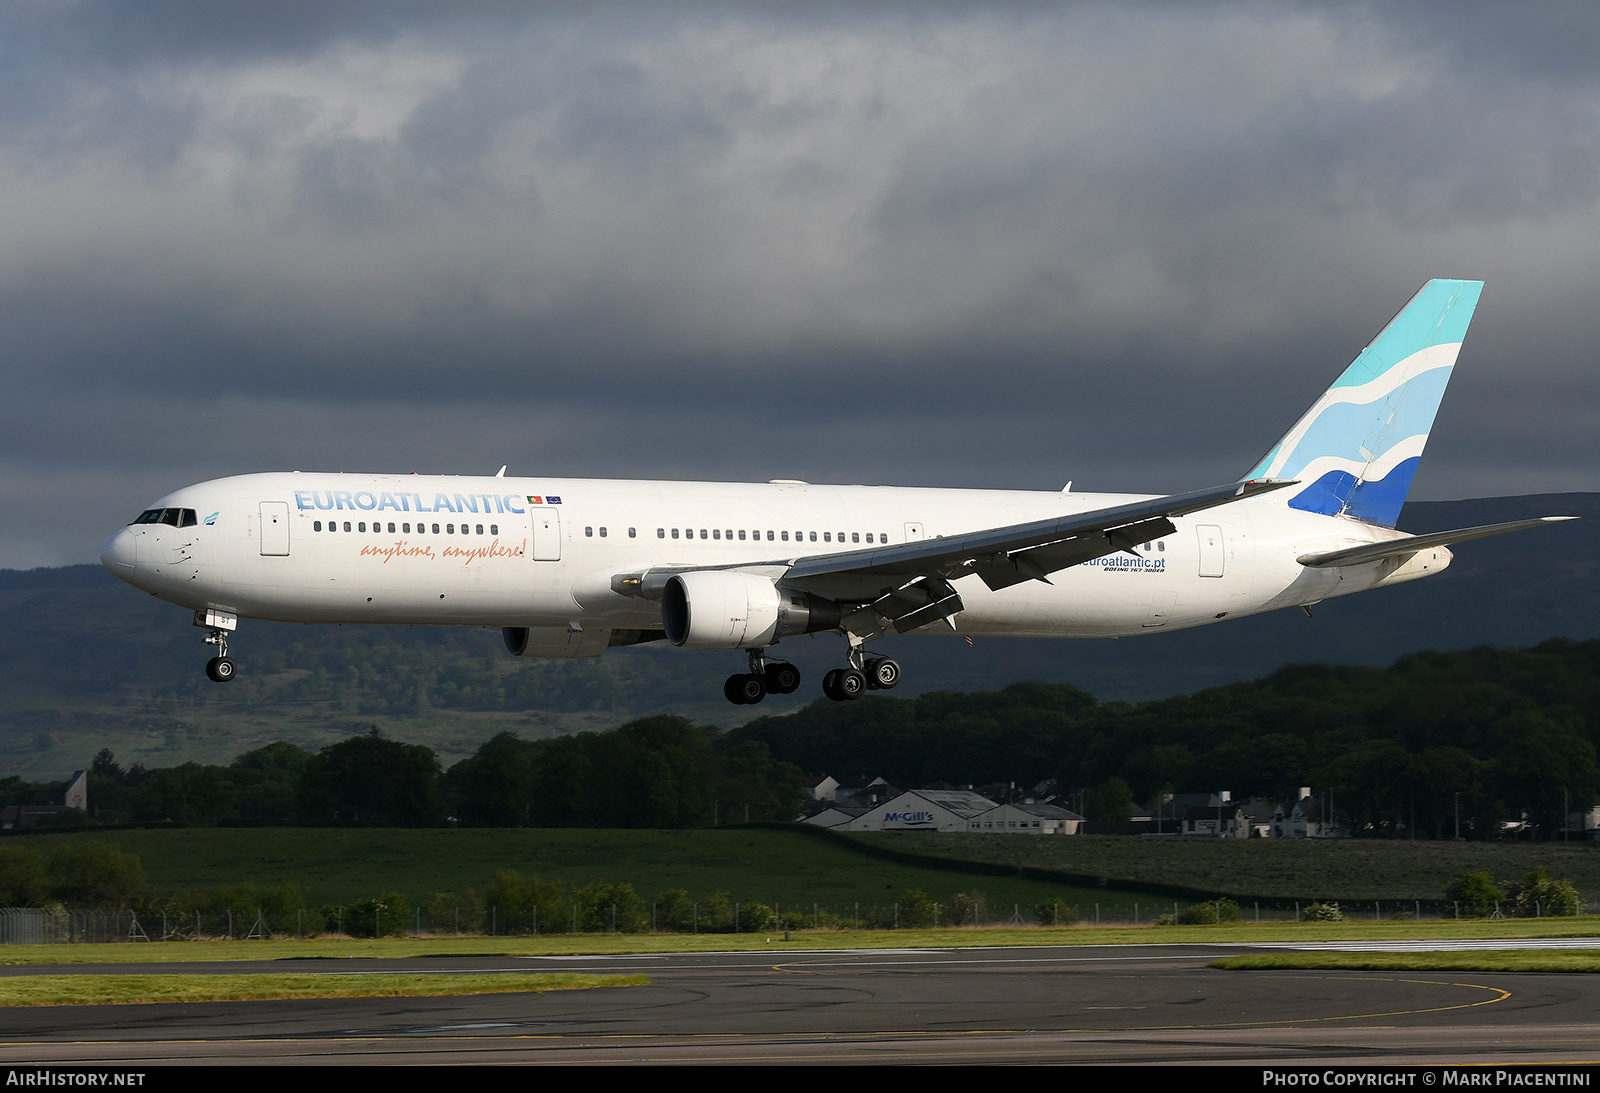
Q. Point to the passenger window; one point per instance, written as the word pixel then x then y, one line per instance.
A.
pixel 602 533
pixel 1161 545
pixel 450 529
pixel 480 530
pixel 716 533
pixel 869 536
pixel 702 533
pixel 813 536
pixel 674 533
pixel 633 533
pixel 827 537
pixel 769 536
pixel 406 528
pixel 316 525
pixel 362 526
pixel 435 528
pixel 741 535
pixel 786 536
pixel 588 533
pixel 347 525
pixel 855 536
pixel 494 529
pixel 661 533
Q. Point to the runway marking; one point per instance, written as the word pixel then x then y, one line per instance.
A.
pixel 792 966
pixel 1503 995
pixel 1489 945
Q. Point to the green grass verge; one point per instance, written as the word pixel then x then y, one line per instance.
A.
pixel 1284 869
pixel 91 990
pixel 800 941
pixel 1522 960
pixel 789 867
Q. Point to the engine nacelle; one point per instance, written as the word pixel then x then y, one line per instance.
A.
pixel 719 609
pixel 562 643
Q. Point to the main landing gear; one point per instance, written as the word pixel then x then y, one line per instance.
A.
pixel 778 677
pixel 863 674
pixel 220 668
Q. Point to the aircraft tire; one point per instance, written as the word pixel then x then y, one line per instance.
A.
pixel 883 673
pixel 782 679
pixel 221 669
pixel 751 689
pixel 852 683
pixel 830 685
pixel 733 690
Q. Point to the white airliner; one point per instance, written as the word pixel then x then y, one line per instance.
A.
pixel 571 567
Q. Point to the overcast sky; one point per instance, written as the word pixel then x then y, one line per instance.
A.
pixel 970 245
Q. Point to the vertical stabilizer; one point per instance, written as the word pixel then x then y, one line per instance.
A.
pixel 1356 450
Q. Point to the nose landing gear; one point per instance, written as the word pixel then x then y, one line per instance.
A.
pixel 220 668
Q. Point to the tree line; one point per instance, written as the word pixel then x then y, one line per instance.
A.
pixel 658 772
pixel 1487 734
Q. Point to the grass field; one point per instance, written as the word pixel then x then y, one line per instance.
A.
pixel 1342 869
pixel 81 990
pixel 342 865
pixel 795 869
pixel 1522 960
pixel 799 942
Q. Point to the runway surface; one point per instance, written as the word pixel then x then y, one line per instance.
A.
pixel 1080 1004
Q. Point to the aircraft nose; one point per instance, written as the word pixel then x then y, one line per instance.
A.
pixel 117 554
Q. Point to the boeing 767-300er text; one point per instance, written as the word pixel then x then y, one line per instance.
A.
pixel 572 567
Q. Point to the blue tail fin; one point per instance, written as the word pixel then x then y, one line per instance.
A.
pixel 1355 451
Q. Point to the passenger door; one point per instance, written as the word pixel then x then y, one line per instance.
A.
pixel 275 529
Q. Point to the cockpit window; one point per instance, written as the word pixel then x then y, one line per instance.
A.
pixel 178 518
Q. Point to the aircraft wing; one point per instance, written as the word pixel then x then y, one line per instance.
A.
pixel 907 585
pixel 1024 552
pixel 1390 548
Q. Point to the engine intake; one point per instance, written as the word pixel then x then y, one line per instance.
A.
pixel 719 609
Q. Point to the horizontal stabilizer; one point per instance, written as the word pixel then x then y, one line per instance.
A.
pixel 1374 552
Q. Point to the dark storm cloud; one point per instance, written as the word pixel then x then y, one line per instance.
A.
pixel 1121 244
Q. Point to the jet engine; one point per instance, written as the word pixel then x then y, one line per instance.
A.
pixel 720 609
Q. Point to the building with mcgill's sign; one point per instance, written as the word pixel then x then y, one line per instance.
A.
pixel 913 810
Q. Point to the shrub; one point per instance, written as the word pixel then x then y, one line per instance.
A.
pixel 1053 912
pixel 388 915
pixel 966 909
pixel 1475 894
pixel 1210 913
pixel 1321 912
pixel 94 875
pixel 1541 895
pixel 916 910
